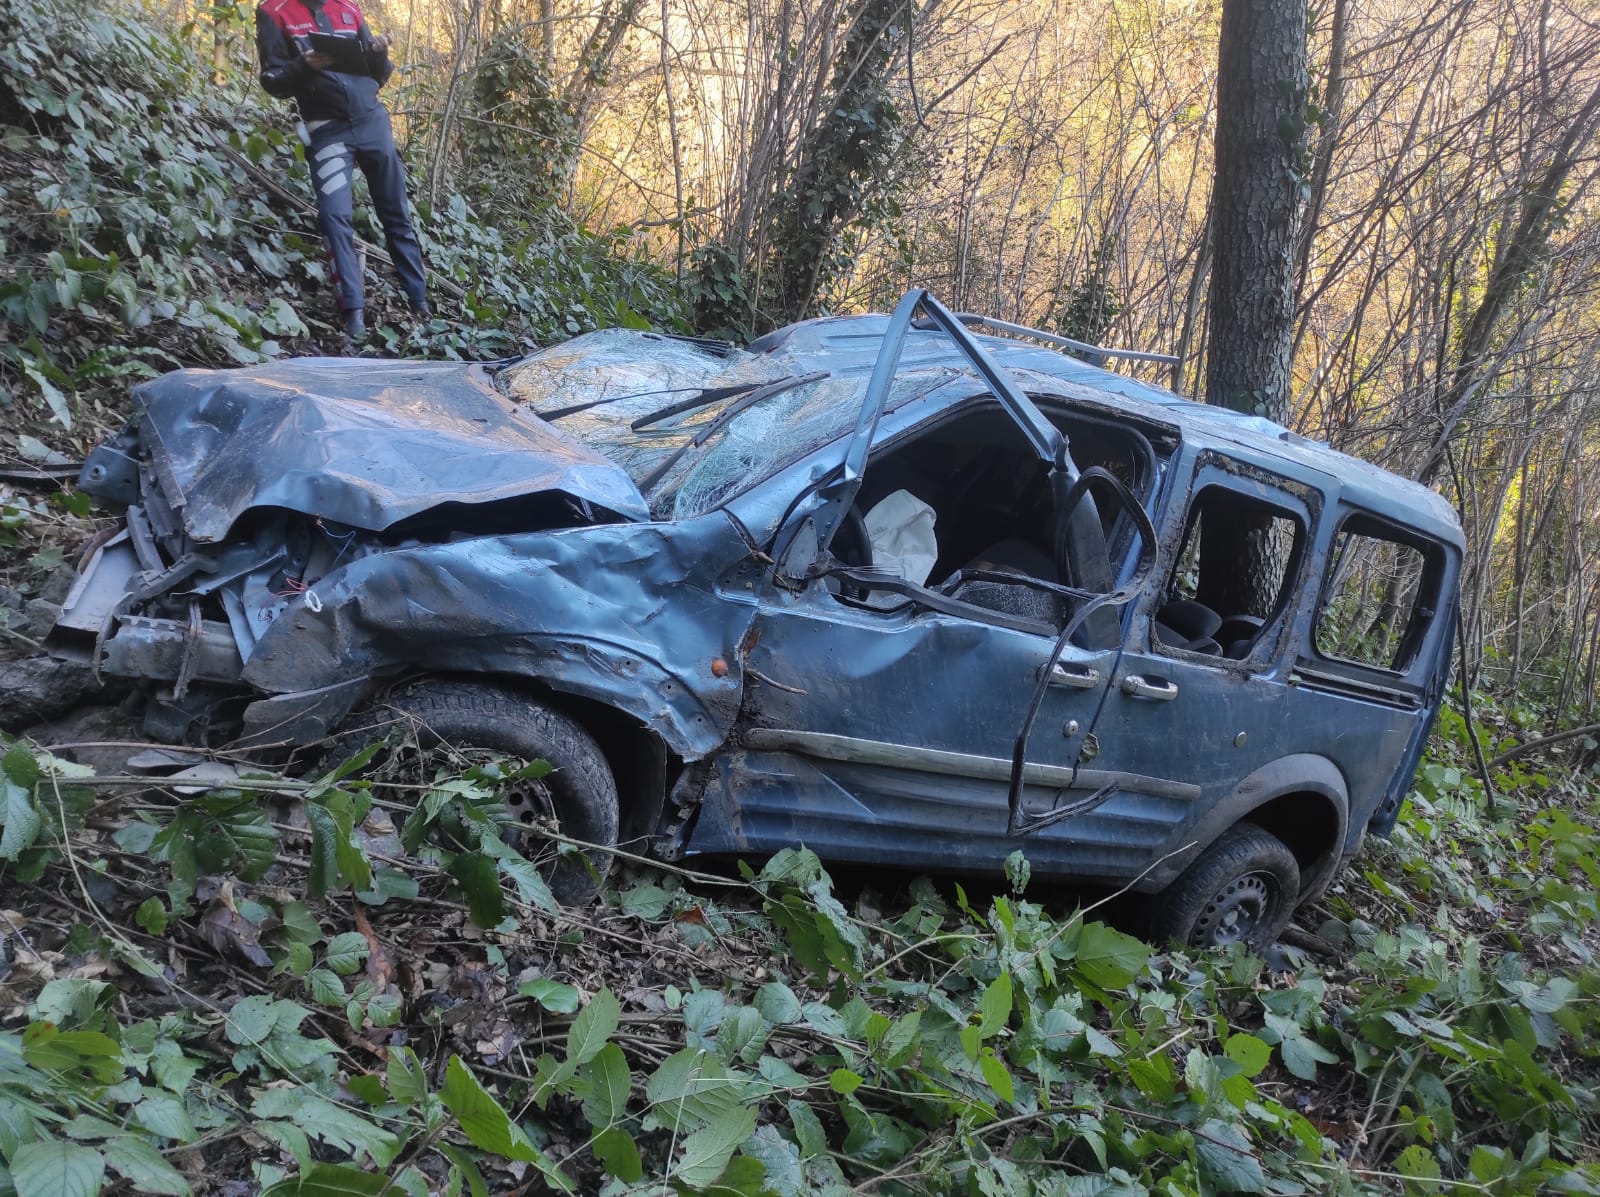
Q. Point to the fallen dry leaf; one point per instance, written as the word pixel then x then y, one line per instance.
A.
pixel 223 927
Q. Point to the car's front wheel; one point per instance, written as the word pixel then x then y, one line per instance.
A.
pixel 437 729
pixel 1242 889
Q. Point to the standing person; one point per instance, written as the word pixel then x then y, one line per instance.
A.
pixel 345 126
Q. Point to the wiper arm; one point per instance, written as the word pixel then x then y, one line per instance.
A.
pixel 765 391
pixel 572 409
pixel 701 399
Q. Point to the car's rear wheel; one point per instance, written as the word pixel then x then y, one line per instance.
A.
pixel 1242 889
pixel 438 728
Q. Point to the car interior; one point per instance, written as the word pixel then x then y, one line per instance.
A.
pixel 972 515
pixel 965 510
pixel 1208 608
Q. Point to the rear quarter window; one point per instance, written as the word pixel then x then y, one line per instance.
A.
pixel 1378 597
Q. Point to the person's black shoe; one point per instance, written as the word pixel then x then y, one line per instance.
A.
pixel 355 325
pixel 422 309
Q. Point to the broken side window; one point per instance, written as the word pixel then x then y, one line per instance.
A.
pixel 947 493
pixel 1231 580
pixel 1376 598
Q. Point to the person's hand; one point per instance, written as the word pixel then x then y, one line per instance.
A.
pixel 380 45
pixel 317 60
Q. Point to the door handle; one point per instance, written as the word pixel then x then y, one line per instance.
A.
pixel 1155 688
pixel 1077 679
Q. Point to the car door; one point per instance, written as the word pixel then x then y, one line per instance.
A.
pixel 1203 694
pixel 889 735
pixel 1294 702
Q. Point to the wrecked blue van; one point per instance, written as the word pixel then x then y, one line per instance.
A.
pixel 879 585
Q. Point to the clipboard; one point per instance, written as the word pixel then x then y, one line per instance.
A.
pixel 348 56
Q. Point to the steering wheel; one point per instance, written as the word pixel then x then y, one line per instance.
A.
pixel 852 546
pixel 1081 552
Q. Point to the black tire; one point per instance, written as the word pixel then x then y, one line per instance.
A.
pixel 1242 889
pixel 433 722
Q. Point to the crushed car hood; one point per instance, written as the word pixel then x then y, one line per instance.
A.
pixel 364 443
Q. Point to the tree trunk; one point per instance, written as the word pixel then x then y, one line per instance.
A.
pixel 1260 160
pixel 599 52
pixel 219 43
pixel 1260 151
pixel 1327 139
pixel 840 159
pixel 1517 257
pixel 1185 367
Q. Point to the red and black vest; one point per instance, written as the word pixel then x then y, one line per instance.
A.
pixel 283 29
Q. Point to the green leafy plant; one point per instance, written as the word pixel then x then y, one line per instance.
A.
pixel 789 1038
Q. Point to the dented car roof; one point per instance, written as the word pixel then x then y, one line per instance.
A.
pixel 850 344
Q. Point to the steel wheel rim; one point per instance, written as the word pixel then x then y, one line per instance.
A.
pixel 1236 912
pixel 529 805
pixel 530 812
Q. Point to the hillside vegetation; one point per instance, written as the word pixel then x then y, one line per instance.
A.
pixel 152 219
pixel 243 983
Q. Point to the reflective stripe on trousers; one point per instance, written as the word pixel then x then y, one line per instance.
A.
pixel 337 148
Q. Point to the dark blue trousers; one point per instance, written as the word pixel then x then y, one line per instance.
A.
pixel 337 148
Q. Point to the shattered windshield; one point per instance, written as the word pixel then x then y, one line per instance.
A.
pixel 598 387
pixel 756 441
